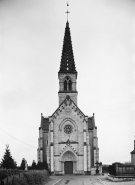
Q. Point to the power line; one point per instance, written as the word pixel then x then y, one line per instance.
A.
pixel 17 138
pixel 117 104
pixel 117 158
pixel 117 108
pixel 113 109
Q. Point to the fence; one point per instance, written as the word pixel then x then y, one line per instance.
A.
pixel 121 170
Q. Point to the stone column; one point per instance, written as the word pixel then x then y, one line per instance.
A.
pixel 74 166
pixel 85 147
pixel 89 157
pixel 52 155
pixel 41 155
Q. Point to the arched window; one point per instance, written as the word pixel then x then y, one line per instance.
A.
pixel 70 85
pixel 67 84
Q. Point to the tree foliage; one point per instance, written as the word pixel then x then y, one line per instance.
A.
pixel 34 165
pixel 8 162
pixel 39 166
pixel 22 166
pixel 42 165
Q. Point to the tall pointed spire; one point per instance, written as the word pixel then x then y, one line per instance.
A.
pixel 67 59
pixel 67 74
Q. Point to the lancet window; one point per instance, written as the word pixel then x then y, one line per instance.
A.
pixel 67 84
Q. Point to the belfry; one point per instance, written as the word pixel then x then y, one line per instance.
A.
pixel 68 138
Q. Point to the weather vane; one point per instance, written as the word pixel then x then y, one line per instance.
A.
pixel 67 11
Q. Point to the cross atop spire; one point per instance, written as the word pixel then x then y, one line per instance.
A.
pixel 67 11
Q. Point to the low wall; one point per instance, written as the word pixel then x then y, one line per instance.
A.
pixel 120 178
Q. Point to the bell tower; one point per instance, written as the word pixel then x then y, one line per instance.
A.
pixel 67 74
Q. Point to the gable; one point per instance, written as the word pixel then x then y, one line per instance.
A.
pixel 68 147
pixel 66 106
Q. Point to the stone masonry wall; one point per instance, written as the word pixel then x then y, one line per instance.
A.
pixel 68 115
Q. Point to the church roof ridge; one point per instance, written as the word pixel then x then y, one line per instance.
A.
pixel 67 64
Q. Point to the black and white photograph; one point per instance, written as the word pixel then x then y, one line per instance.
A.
pixel 67 89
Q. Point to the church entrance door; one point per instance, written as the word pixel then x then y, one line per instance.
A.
pixel 68 166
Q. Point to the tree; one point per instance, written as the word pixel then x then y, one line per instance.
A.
pixel 42 165
pixel 22 166
pixel 8 162
pixel 127 163
pixel 34 165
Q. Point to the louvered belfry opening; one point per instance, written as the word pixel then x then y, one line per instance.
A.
pixel 67 59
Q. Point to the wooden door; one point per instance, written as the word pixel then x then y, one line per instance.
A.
pixel 68 166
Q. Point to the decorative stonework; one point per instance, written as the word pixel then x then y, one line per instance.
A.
pixel 68 121
pixel 68 110
pixel 68 157
pixel 68 129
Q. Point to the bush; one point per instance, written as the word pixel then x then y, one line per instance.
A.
pixel 4 173
pixel 29 178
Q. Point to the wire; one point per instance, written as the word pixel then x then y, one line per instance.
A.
pixel 17 139
pixel 117 158
pixel 116 104
pixel 119 108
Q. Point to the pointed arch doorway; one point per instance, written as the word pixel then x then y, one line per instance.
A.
pixel 69 160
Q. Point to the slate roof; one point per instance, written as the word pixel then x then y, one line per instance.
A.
pixel 44 123
pixel 91 122
pixel 133 152
pixel 67 64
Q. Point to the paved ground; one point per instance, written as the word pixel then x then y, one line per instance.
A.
pixel 84 180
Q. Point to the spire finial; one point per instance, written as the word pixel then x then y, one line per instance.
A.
pixel 67 11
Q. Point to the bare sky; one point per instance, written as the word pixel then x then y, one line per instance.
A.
pixel 31 38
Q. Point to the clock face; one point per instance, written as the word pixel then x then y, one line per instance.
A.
pixel 68 129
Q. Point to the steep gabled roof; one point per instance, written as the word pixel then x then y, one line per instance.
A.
pixel 64 103
pixel 133 152
pixel 91 123
pixel 44 123
pixel 67 59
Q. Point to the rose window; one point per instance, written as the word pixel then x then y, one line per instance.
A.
pixel 68 129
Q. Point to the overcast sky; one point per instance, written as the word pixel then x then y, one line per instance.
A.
pixel 31 39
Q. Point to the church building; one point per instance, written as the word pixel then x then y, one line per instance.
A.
pixel 68 138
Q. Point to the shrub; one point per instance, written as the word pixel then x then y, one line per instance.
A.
pixel 29 178
pixel 7 173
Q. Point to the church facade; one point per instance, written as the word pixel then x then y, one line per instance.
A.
pixel 68 138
